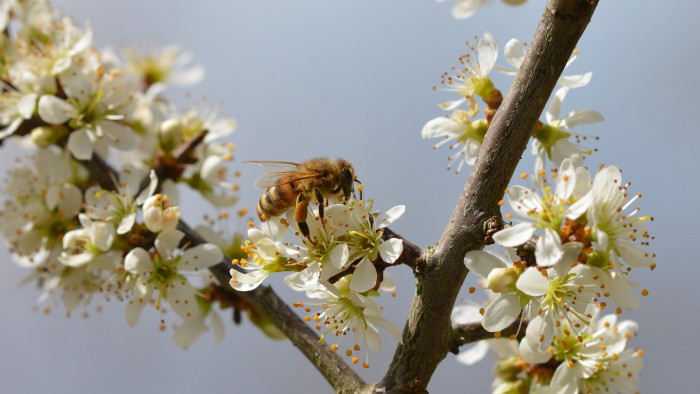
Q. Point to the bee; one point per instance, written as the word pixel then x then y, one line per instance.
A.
pixel 300 184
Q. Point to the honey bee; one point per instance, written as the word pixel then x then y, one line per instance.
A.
pixel 300 184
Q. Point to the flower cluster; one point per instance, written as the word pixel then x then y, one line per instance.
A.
pixel 552 140
pixel 86 230
pixel 580 358
pixel 340 266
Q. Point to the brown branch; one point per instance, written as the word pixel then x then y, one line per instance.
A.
pixel 428 334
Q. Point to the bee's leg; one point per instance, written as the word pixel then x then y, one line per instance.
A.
pixel 300 213
pixel 319 198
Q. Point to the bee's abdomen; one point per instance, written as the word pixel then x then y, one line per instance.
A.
pixel 277 199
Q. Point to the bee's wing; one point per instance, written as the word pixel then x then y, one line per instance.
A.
pixel 280 172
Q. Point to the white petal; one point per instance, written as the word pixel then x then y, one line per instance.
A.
pixel 390 250
pixel 80 144
pixel 217 326
pixel 466 314
pixel 187 332
pixel 450 105
pixel 247 282
pixel 532 282
pixel 200 257
pixel 167 242
pixel 554 108
pixel 514 53
pixel 138 261
pixel 576 81
pixel 582 116
pixel 471 151
pixel 566 180
pixel 182 300
pixel 126 223
pixel 389 216
pixel 488 52
pixel 365 276
pixel 339 256
pixel 102 234
pixel 481 263
pixel 140 297
pixel 26 105
pixel 122 137
pixel 442 126
pixel 514 236
pixel 621 293
pixel 386 325
pixel 304 280
pixel 55 110
pixel 473 354
pixel 501 312
pixel 549 249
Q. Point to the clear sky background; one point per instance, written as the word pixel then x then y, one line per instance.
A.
pixel 311 78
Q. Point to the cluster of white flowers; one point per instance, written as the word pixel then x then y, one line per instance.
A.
pixel 334 266
pixel 552 140
pixel 82 231
pixel 575 247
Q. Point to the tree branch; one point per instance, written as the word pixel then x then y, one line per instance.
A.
pixel 428 334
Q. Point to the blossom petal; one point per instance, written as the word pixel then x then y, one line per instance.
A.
pixel 442 126
pixel 514 52
pixel 304 280
pixel 580 117
pixel 501 312
pixel 247 281
pixel 481 263
pixel 80 144
pixel 390 250
pixel 513 236
pixel 473 354
pixel 549 249
pixel 138 261
pixel 576 81
pixel 54 110
pixel 488 52
pixel 532 282
pixel 200 257
pixel 389 217
pixel 365 276
pixel 167 241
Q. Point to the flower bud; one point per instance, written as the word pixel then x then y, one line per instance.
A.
pixel 158 216
pixel 170 134
pixel 499 280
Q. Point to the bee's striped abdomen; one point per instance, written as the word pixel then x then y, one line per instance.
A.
pixel 277 199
